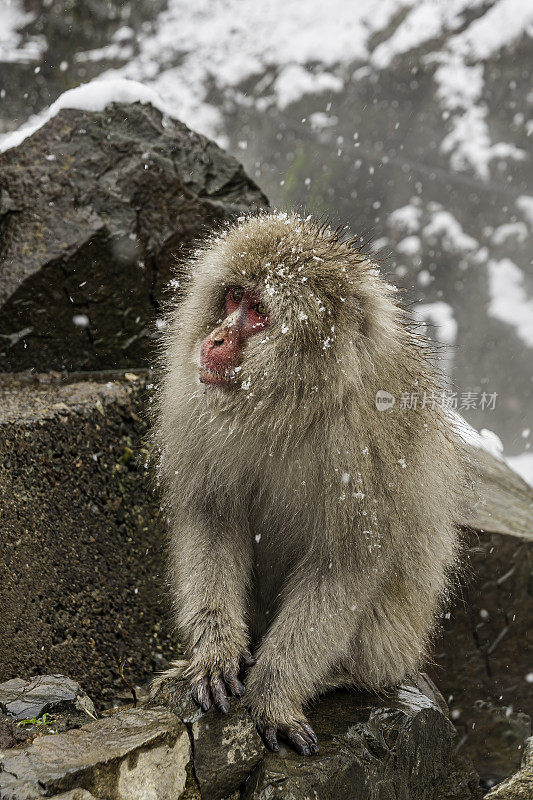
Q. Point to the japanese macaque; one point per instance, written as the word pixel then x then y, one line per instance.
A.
pixel 310 526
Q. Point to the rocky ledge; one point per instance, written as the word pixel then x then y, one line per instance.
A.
pixel 399 745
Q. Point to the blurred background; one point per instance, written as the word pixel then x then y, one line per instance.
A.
pixel 408 121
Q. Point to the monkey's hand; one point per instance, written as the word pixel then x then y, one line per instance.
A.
pixel 297 732
pixel 276 710
pixel 212 683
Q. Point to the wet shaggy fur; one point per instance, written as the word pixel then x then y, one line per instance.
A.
pixel 305 524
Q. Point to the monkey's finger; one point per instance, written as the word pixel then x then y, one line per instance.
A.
pixel 296 739
pixel 220 697
pixel 268 735
pixel 234 684
pixel 247 659
pixel 201 694
pixel 305 726
pixel 204 694
pixel 313 747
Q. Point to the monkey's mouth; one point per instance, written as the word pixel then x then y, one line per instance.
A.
pixel 212 377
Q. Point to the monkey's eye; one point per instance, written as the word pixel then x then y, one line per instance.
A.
pixel 261 309
pixel 237 295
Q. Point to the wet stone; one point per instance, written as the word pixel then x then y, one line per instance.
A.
pixel 226 747
pixel 500 734
pixel 134 754
pixel 400 745
pixel 43 694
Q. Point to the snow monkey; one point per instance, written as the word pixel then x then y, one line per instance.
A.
pixel 311 509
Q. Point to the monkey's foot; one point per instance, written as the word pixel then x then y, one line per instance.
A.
pixel 216 687
pixel 299 734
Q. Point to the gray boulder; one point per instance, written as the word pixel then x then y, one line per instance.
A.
pixel 226 747
pixel 42 704
pixel 399 744
pixel 503 501
pixel 94 209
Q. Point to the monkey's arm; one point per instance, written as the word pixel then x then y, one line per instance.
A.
pixel 310 637
pixel 211 567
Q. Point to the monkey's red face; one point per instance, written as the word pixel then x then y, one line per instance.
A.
pixel 221 351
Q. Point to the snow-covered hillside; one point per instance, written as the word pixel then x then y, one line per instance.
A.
pixel 407 120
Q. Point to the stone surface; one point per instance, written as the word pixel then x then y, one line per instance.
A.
pixel 137 754
pixel 496 737
pixel 396 746
pixel 503 501
pixel 520 785
pixel 81 576
pixel 43 694
pixel 483 662
pixel 226 748
pixel 378 748
pixel 91 231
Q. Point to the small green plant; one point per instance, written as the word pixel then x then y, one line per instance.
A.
pixel 46 719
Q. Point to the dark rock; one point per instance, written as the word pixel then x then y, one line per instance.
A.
pixel 520 785
pixel 81 574
pixel 379 748
pixel 499 735
pixel 8 737
pixel 483 661
pixel 91 231
pixel 399 745
pixel 132 754
pixel 226 748
pixel 43 694
pixel 485 652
